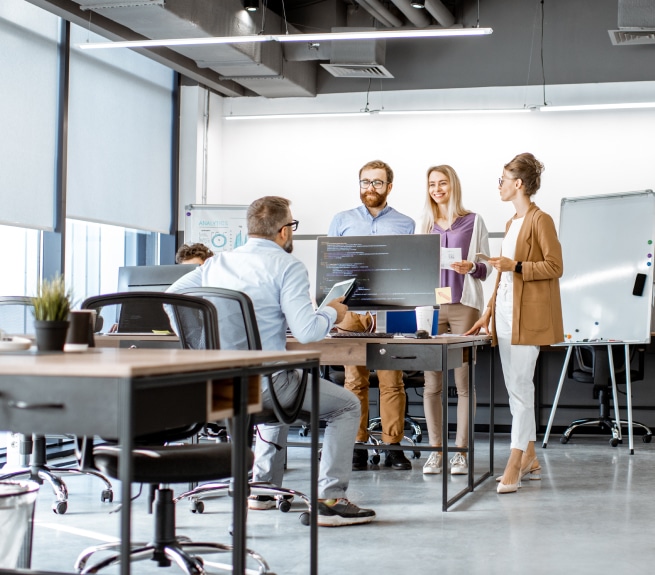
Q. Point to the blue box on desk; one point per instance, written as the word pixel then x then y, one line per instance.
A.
pixel 405 321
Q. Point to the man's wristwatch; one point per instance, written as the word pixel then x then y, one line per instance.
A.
pixel 519 267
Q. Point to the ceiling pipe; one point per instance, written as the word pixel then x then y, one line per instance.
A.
pixel 380 13
pixel 440 13
pixel 417 17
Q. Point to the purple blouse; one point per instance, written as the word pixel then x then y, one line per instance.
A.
pixel 458 236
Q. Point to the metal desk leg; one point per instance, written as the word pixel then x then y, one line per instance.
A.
pixel 444 434
pixel 314 431
pixel 126 440
pixel 557 394
pixel 240 472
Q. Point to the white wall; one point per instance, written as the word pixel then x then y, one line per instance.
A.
pixel 315 161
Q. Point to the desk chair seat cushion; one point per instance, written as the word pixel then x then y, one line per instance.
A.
pixel 170 463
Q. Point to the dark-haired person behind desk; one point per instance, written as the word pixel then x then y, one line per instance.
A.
pixel 278 285
pixel 375 217
pixel 526 308
pixel 193 254
pixel 460 229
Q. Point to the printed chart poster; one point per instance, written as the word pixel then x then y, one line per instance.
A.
pixel 220 228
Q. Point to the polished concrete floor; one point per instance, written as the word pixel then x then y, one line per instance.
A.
pixel 592 512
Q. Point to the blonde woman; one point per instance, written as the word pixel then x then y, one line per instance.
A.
pixel 462 230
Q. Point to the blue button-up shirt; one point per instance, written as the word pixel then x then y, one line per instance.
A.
pixel 360 222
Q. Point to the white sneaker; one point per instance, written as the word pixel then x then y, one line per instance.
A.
pixel 433 464
pixel 458 464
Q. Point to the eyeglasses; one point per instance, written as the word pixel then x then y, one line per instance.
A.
pixel 292 224
pixel 377 184
pixel 501 180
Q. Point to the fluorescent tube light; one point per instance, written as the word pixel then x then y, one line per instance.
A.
pixel 372 113
pixel 322 37
pixel 589 107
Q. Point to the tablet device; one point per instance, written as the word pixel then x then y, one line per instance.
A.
pixel 339 289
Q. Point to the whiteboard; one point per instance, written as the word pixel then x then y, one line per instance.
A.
pixel 221 228
pixel 606 242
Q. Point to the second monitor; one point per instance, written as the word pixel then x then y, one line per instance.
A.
pixel 392 272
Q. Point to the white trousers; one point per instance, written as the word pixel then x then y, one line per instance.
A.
pixel 518 363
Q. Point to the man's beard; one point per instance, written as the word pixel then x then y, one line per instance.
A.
pixel 373 199
pixel 288 246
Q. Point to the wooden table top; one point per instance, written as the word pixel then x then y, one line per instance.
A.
pixel 112 362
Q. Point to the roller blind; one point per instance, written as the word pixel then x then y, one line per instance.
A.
pixel 119 137
pixel 28 114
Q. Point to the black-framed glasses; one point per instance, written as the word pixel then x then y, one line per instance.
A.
pixel 377 184
pixel 293 224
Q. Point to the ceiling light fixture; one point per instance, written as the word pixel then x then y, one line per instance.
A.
pixel 364 113
pixel 418 4
pixel 251 5
pixel 321 37
pixel 590 107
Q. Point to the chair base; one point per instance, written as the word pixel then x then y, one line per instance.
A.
pixel 218 488
pixel 39 472
pixel 166 547
pixel 608 424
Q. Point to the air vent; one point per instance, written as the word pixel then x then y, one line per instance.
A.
pixel 357 70
pixel 632 37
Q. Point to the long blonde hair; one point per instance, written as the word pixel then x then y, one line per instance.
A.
pixel 455 208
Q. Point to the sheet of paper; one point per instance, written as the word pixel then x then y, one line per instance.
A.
pixel 449 256
pixel 443 295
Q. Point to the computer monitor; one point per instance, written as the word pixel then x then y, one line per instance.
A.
pixel 135 318
pixel 151 278
pixel 392 272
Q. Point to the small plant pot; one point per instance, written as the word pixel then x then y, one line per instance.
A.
pixel 50 335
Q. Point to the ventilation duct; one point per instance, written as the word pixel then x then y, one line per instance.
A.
pixel 636 21
pixel 357 59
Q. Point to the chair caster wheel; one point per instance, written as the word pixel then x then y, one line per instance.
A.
pixel 303 431
pixel 304 518
pixel 563 440
pixel 59 507
pixel 375 458
pixel 283 505
pixel 107 495
pixel 417 438
pixel 197 506
pixel 647 438
pixel 614 442
pixel 416 455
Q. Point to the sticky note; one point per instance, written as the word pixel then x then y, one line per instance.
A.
pixel 443 295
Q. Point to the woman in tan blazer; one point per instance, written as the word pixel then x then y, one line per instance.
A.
pixel 525 307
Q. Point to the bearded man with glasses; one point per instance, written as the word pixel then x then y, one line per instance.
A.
pixel 375 217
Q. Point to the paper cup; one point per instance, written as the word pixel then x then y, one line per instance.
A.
pixel 424 315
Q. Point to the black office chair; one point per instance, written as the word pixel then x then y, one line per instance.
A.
pixel 237 325
pixel 16 318
pixel 158 463
pixel 591 366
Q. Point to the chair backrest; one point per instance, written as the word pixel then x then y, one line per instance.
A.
pixel 194 320
pixel 586 368
pixel 16 316
pixel 237 323
pixel 237 326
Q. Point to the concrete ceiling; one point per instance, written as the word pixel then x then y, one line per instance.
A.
pixel 567 44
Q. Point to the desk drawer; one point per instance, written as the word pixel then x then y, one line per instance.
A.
pixel 415 357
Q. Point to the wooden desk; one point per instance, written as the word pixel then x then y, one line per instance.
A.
pixel 440 353
pixel 111 392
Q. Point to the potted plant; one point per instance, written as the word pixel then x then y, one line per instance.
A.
pixel 51 304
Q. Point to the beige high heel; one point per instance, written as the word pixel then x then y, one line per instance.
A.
pixel 511 488
pixel 533 472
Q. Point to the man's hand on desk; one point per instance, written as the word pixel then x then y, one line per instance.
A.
pixel 340 308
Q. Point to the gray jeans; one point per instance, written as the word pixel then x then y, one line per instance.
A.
pixel 339 408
